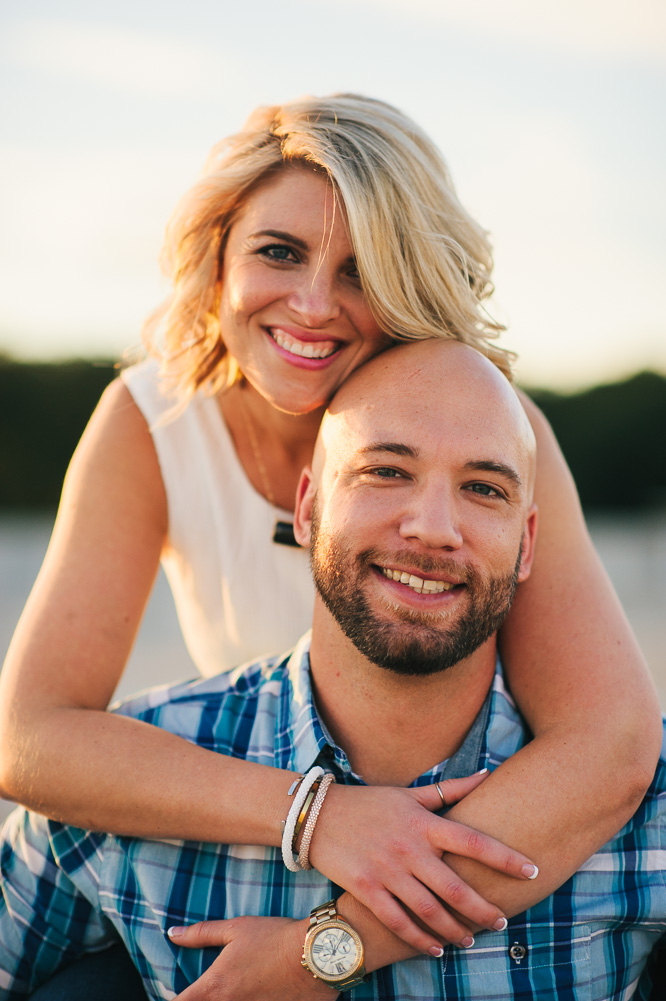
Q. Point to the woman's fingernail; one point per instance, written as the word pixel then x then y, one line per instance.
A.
pixel 500 924
pixel 467 942
pixel 530 871
pixel 175 932
pixel 436 951
pixel 482 771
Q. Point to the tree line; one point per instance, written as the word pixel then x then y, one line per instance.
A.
pixel 613 436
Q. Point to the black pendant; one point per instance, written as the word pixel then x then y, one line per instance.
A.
pixel 284 534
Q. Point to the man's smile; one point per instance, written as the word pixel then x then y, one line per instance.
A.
pixel 422 585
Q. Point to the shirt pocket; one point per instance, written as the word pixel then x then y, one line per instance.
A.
pixel 529 964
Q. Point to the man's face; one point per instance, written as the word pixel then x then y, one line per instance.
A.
pixel 420 522
pixel 409 641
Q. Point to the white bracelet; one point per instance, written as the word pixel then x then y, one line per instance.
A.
pixel 303 855
pixel 288 857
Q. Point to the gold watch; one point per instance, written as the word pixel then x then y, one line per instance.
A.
pixel 333 951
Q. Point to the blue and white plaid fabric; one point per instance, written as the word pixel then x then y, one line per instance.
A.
pixel 66 891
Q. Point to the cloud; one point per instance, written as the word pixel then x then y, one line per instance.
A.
pixel 127 60
pixel 575 285
pixel 564 171
pixel 592 27
pixel 79 245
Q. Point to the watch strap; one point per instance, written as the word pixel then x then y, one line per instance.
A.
pixel 325 912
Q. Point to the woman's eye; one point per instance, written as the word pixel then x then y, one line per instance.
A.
pixel 277 252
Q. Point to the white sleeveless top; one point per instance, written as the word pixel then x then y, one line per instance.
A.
pixel 238 594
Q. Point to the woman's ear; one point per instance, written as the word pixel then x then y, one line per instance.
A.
pixel 305 495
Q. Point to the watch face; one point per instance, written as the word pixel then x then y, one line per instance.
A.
pixel 334 952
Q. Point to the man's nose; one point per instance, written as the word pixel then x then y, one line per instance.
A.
pixel 433 519
pixel 314 299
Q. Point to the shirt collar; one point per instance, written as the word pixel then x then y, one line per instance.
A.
pixel 304 742
pixel 300 733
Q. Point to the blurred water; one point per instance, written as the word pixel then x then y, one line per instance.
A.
pixel 632 549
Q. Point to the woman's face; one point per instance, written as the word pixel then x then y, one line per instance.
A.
pixel 292 310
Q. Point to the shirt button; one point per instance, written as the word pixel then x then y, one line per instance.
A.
pixel 518 952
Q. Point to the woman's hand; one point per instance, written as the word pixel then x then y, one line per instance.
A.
pixel 260 961
pixel 385 846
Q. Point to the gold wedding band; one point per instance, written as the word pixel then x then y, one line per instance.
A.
pixel 441 794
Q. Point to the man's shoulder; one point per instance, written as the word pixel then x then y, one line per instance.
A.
pixel 222 711
pixel 654 802
pixel 505 731
pixel 625 877
pixel 244 682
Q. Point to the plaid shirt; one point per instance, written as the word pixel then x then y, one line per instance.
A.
pixel 66 891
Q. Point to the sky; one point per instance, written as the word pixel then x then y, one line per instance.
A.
pixel 550 116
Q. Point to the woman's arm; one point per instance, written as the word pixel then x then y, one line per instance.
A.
pixel 574 665
pixel 62 754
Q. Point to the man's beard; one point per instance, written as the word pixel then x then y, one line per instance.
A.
pixel 407 641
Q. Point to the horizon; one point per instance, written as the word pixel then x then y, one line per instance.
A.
pixel 110 361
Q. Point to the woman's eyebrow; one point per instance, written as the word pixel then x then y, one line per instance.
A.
pixel 278 234
pixel 490 466
pixel 295 241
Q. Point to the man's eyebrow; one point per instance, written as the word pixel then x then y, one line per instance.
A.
pixel 490 466
pixel 395 447
pixel 411 452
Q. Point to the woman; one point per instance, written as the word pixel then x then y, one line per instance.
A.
pixel 279 291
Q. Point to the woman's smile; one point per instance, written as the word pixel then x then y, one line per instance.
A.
pixel 304 346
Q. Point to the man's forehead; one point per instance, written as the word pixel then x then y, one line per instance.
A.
pixel 354 436
pixel 425 401
pixel 415 418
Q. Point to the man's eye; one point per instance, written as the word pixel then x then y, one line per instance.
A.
pixel 386 473
pixel 277 252
pixel 484 489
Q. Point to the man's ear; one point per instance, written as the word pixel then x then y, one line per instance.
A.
pixel 529 540
pixel 305 494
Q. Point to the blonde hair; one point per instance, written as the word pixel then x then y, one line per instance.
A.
pixel 424 263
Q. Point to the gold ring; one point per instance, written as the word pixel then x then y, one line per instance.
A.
pixel 441 794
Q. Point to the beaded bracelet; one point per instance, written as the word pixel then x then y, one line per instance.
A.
pixel 303 855
pixel 289 857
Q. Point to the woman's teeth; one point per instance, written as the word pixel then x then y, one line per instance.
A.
pixel 418 584
pixel 304 349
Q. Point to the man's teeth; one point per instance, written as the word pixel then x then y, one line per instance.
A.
pixel 418 584
pixel 305 349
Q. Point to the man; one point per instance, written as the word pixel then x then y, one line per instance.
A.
pixel 419 515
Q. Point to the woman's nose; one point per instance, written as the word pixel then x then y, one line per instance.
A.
pixel 314 299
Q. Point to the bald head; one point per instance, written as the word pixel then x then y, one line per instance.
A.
pixel 430 387
pixel 418 508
